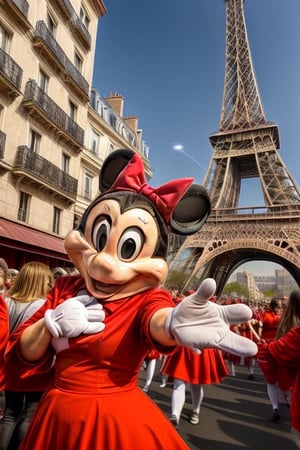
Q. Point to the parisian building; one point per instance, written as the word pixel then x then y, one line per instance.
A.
pixel 55 127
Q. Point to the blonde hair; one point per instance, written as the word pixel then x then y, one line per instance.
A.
pixel 34 281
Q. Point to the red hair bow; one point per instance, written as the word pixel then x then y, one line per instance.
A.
pixel 165 197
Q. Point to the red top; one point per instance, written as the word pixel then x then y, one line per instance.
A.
pixel 4 330
pixel 94 401
pixel 270 321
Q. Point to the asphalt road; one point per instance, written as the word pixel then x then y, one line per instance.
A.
pixel 235 415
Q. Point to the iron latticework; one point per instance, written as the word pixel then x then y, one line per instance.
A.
pixel 245 146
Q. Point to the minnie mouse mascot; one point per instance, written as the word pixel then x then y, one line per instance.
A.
pixel 102 323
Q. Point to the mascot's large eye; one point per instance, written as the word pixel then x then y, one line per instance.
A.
pixel 101 230
pixel 130 244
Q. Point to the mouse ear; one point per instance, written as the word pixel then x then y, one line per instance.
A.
pixel 191 212
pixel 112 166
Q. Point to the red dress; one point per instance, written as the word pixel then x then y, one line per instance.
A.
pixel 4 326
pixel 282 354
pixel 94 401
pixel 188 366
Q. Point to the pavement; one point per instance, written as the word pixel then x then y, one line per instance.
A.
pixel 235 415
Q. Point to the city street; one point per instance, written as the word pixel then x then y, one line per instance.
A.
pixel 235 415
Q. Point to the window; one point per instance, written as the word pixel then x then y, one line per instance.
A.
pixel 51 25
pixel 113 120
pixel 94 145
pixel 56 220
pixel 43 81
pixel 4 39
pixel 87 186
pixel 84 17
pixel 23 210
pixel 76 220
pixel 34 141
pixel 78 62
pixel 65 163
pixel 72 110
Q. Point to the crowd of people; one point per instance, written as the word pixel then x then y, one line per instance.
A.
pixel 24 291
pixel 268 325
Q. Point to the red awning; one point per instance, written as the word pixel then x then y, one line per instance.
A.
pixel 23 237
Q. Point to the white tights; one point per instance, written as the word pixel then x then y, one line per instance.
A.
pixel 150 372
pixel 274 395
pixel 178 397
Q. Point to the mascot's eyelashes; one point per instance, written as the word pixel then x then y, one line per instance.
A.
pixel 130 244
pixel 101 231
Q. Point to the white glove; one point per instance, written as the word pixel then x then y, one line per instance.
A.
pixel 82 314
pixel 199 323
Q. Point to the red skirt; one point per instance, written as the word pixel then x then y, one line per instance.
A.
pixel 186 365
pixel 124 420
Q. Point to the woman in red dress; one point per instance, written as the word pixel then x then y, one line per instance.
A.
pixel 102 323
pixel 283 353
pixel 268 325
pixel 186 366
pixel 280 381
pixel 4 330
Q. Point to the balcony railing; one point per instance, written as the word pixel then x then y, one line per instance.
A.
pixel 80 29
pixel 19 10
pixel 45 37
pixel 22 5
pixel 49 113
pixel 45 173
pixel 77 27
pixel 11 73
pixel 2 144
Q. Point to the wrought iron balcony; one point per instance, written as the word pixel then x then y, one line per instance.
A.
pixel 19 10
pixel 2 144
pixel 47 45
pixel 10 75
pixel 39 170
pixel 50 115
pixel 77 27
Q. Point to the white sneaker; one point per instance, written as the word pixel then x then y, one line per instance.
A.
pixel 194 419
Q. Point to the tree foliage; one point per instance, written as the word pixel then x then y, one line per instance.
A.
pixel 236 289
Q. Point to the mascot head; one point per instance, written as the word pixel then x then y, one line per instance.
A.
pixel 121 244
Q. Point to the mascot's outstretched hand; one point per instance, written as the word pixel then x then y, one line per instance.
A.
pixel 199 323
pixel 82 314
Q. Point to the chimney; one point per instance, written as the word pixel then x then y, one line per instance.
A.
pixel 116 101
pixel 132 122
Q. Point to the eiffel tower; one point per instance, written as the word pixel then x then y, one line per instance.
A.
pixel 245 146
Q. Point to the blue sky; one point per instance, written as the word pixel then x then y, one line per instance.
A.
pixel 167 59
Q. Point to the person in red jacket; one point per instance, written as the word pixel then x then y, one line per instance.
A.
pixel 102 323
pixel 285 353
pixel 4 331
pixel 280 381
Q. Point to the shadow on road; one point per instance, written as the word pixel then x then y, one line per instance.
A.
pixel 235 415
